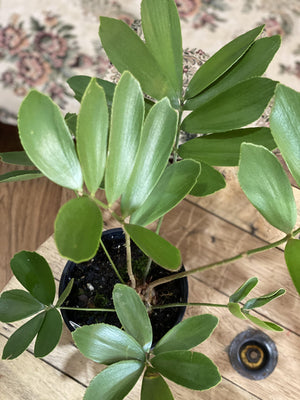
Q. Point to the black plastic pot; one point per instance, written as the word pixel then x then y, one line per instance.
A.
pixel 96 271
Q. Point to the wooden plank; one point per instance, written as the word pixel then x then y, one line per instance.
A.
pixel 232 205
pixel 204 238
pixel 29 378
pixel 280 385
pixel 27 213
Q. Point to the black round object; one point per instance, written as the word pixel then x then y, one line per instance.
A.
pixel 253 354
pixel 92 278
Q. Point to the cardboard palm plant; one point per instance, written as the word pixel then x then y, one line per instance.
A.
pixel 126 145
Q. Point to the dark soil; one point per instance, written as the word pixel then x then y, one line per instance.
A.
pixel 94 281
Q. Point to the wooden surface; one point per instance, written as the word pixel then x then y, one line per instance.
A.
pixel 204 231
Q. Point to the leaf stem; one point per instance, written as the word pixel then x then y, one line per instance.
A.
pixel 87 309
pixel 112 263
pixel 129 260
pixel 245 254
pixel 147 269
pixel 189 305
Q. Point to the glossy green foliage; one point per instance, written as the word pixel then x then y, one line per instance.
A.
pixel 175 183
pixel 162 31
pixel 127 118
pixel 79 83
pixel 107 344
pixel 47 140
pixel 223 148
pixel 49 333
pixel 186 368
pixel 129 53
pixel 18 304
pixel 285 127
pixel 15 176
pixel 209 181
pixel 35 274
pixel 115 381
pixel 220 62
pixel 133 315
pixel 71 121
pixel 154 387
pixel 266 185
pixel 157 140
pixel 22 337
pixel 154 246
pixel 65 293
pixel 270 326
pixel 187 334
pixel 292 259
pixel 78 229
pixel 16 158
pixel 236 107
pixel 92 134
pixel 243 312
pixel 262 300
pixel 253 63
pixel 243 290
pixel 235 310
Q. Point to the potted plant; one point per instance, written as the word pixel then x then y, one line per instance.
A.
pixel 125 145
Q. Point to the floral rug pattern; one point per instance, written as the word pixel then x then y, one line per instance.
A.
pixel 40 47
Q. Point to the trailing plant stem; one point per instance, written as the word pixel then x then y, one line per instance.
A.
pixel 112 263
pixel 189 305
pixel 129 260
pixel 245 254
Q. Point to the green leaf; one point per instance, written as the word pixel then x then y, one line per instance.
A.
pixel 71 121
pixel 292 259
pixel 125 134
pixel 129 53
pixel 284 123
pixel 16 158
pixel 115 381
pixel 133 315
pixel 15 176
pixel 47 140
pixel 208 182
pixel 221 61
pixel 187 334
pixel 223 148
pixel 243 290
pixel 107 344
pixel 235 310
pixel 264 324
pixel 253 63
pixel 266 185
pixel 65 293
pixel 17 304
pixel 262 300
pixel 22 337
pixel 175 183
pixel 157 139
pixel 162 31
pixel 79 83
pixel 154 387
pixel 154 246
pixel 34 273
pixel 186 368
pixel 78 228
pixel 91 135
pixel 236 107
pixel 49 334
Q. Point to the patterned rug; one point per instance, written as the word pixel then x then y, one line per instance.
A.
pixel 43 43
